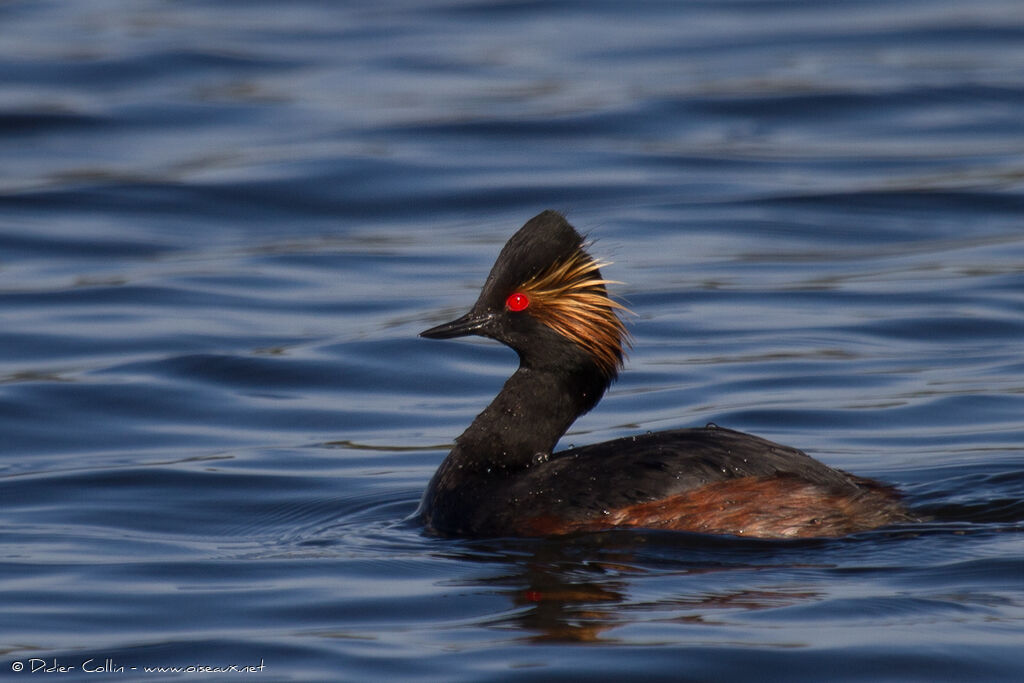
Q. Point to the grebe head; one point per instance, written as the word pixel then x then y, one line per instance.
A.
pixel 545 297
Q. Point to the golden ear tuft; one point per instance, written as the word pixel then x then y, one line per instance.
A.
pixel 570 298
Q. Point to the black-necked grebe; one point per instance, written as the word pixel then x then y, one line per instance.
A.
pixel 545 297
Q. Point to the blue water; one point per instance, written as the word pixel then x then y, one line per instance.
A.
pixel 222 226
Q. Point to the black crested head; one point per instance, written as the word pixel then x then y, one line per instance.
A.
pixel 544 240
pixel 543 291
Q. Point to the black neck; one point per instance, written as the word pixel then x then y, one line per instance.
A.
pixel 528 416
pixel 518 429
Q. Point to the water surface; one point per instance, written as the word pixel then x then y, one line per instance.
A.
pixel 222 227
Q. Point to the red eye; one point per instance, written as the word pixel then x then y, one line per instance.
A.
pixel 517 302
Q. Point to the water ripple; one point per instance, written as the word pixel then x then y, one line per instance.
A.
pixel 222 230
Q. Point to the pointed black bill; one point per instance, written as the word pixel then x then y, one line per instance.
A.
pixel 471 323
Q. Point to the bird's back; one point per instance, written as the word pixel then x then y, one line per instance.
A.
pixel 708 480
